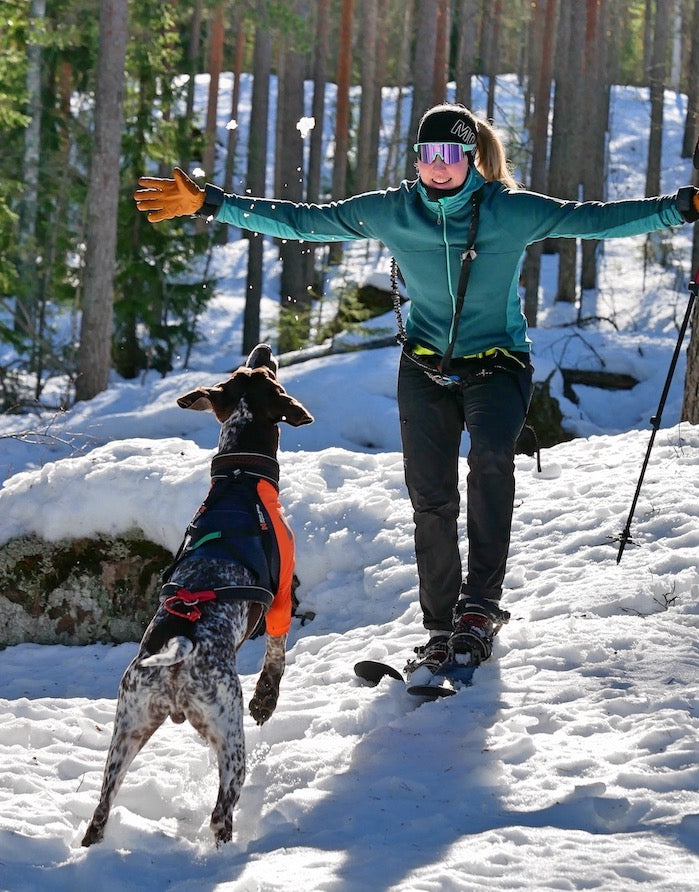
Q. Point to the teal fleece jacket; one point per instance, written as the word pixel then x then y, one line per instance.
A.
pixel 428 236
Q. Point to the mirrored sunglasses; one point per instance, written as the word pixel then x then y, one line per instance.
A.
pixel 449 152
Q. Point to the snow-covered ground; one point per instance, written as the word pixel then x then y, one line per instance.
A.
pixel 572 762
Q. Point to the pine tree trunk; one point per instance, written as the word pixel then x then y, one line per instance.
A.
pixel 655 242
pixel 27 305
pixel 467 23
pixel 544 25
pixel 294 319
pixel 94 352
pixel 216 38
pixel 596 98
pixel 566 148
pixel 648 38
pixel 692 119
pixel 192 64
pixel 377 111
pixel 690 400
pixel 315 154
pixel 366 174
pixel 320 76
pixel 657 77
pixel 422 70
pixel 342 115
pixel 256 180
pixel 491 40
pixel 695 241
pixel 395 159
pixel 441 54
pixel 232 142
pixel 675 73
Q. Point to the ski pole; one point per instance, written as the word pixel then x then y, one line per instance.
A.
pixel 655 420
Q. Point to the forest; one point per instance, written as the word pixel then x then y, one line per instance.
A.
pixel 95 93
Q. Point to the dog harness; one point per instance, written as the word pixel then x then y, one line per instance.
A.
pixel 240 520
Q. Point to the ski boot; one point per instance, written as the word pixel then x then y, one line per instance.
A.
pixel 429 657
pixel 475 626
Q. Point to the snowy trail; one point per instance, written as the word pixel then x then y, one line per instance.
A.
pixel 573 755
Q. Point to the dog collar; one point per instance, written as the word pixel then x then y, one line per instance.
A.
pixel 255 464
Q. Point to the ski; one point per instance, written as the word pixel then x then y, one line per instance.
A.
pixel 430 691
pixel 372 671
pixel 445 681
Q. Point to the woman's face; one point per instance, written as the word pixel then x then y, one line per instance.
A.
pixel 439 175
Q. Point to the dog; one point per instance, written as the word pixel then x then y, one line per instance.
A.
pixel 232 572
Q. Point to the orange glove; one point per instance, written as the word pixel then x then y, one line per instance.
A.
pixel 163 199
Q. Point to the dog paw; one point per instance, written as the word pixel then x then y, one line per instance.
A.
pixel 262 710
pixel 264 702
pixel 94 834
pixel 223 836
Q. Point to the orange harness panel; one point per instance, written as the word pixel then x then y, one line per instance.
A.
pixel 278 619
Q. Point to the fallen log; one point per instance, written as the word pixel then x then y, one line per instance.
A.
pixel 594 378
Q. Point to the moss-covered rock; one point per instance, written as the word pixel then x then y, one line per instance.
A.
pixel 79 591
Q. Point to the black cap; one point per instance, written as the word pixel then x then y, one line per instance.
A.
pixel 448 123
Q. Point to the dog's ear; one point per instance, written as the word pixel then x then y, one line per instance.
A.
pixel 199 400
pixel 214 399
pixel 222 398
pixel 286 408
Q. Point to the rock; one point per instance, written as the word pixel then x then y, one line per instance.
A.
pixel 79 591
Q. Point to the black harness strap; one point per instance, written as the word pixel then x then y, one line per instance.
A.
pixel 467 258
pixel 183 611
pixel 181 602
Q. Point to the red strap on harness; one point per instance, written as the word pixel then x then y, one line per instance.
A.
pixel 187 602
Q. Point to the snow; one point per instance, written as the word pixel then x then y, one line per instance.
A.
pixel 572 762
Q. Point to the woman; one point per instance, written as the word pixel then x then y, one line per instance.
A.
pixel 466 361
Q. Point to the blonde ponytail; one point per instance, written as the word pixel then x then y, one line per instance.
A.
pixel 491 160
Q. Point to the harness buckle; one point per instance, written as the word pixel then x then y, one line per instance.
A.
pixel 185 603
pixel 449 381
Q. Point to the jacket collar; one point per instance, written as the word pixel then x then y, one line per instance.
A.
pixel 455 202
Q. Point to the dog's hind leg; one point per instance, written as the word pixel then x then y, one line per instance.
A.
pixel 231 767
pixel 264 700
pixel 222 727
pixel 134 725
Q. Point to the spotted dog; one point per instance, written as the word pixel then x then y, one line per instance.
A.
pixel 233 572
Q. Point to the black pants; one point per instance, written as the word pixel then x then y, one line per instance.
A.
pixel 491 402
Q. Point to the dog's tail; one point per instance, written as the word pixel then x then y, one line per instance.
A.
pixel 172 652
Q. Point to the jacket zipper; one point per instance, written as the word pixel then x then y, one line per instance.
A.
pixel 449 281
